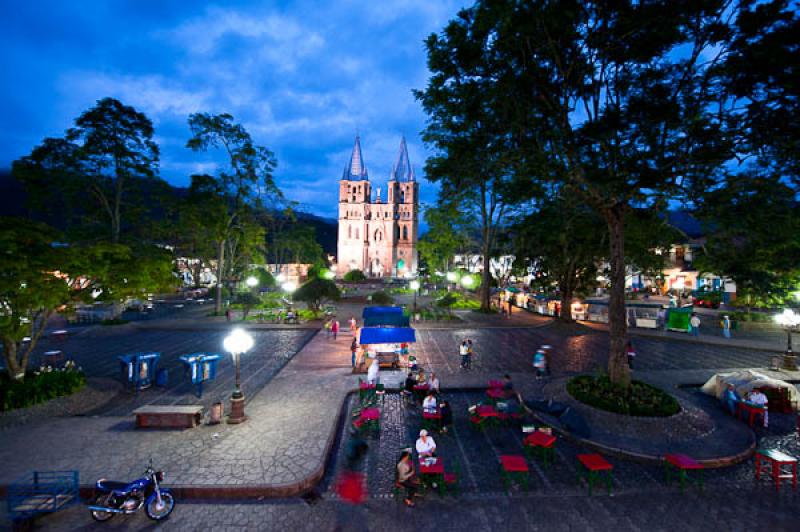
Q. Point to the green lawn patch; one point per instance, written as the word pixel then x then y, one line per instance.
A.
pixel 640 399
pixel 39 386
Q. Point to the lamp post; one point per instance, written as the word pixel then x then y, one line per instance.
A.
pixel 467 281
pixel 790 321
pixel 414 285
pixel 237 343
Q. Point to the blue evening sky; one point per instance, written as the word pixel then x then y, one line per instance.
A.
pixel 302 76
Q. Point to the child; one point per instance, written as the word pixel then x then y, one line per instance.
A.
pixel 631 353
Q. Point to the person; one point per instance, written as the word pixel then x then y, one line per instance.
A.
pixel 228 314
pixel 469 354
pixel 335 328
pixel 421 378
pixel 629 351
pixel 661 317
pixel 726 326
pixel 694 322
pixel 429 404
pixel 434 384
pixel 406 477
pixel 447 415
pixel 290 316
pixel 372 373
pixel 425 445
pixel 540 364
pixel 327 326
pixel 730 398
pixel 757 398
pixel 412 363
pixel 353 325
pixel 508 386
pixel 464 352
pixel 356 448
pixel 354 352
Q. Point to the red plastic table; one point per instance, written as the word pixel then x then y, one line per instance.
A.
pixel 370 414
pixel 776 461
pixel 683 464
pixel 496 384
pixel 593 465
pixel 432 474
pixel 486 411
pixel 514 467
pixel 542 443
pixel 743 408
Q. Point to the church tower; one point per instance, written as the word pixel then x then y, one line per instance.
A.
pixel 378 237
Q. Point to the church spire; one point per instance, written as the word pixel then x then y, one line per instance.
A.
pixel 356 170
pixel 402 170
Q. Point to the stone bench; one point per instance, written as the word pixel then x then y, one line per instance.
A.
pixel 168 416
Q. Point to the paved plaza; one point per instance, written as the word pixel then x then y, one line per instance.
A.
pixel 296 382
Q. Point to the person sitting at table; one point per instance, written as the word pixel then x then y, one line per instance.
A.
pixel 447 415
pixel 730 398
pixel 372 373
pixel 759 399
pixel 425 445
pixel 406 477
pixel 429 404
pixel 508 386
pixel 434 383
pixel 422 378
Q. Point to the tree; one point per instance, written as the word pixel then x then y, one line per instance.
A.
pixel 298 245
pixel 616 100
pixel 108 153
pixel 477 163
pixel 354 276
pixel 753 237
pixel 248 300
pixel 446 237
pixel 316 292
pixel 249 172
pixel 566 241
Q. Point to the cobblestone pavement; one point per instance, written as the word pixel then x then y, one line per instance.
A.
pixel 555 501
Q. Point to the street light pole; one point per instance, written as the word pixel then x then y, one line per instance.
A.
pixel 414 285
pixel 237 343
pixel 790 322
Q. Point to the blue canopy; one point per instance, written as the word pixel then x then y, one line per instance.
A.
pixel 386 335
pixel 374 311
pixel 387 320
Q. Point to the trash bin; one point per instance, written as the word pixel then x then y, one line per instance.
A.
pixel 138 370
pixel 162 377
pixel 200 367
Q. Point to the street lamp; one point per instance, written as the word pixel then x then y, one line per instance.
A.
pixel 237 343
pixel 414 285
pixel 252 282
pixel 452 276
pixel 289 286
pixel 467 281
pixel 790 321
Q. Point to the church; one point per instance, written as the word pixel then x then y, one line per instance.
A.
pixel 378 236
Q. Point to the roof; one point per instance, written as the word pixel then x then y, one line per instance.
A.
pixel 356 170
pixel 386 335
pixel 402 169
pixel 387 320
pixel 376 311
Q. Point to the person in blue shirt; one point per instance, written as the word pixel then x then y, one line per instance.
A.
pixel 730 398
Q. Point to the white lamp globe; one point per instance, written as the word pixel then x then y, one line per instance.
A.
pixel 451 276
pixel 414 285
pixel 252 282
pixel 788 318
pixel 238 341
pixel 467 281
pixel 289 286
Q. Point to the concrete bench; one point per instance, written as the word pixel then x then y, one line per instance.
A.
pixel 168 416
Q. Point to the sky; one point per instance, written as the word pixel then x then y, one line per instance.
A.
pixel 303 77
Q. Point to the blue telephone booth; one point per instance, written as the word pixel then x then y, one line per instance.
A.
pixel 138 370
pixel 200 367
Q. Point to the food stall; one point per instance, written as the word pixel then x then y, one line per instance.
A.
pixel 386 343
pixel 639 314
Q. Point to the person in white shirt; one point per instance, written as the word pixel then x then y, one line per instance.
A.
pixel 759 399
pixel 372 373
pixel 434 383
pixel 694 321
pixel 429 404
pixel 425 445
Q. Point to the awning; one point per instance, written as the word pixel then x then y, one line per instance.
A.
pixel 387 320
pixel 373 311
pixel 386 335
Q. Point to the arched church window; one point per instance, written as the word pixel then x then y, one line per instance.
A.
pixel 397 232
pixel 405 232
pixel 349 232
pixel 402 196
pixel 378 235
pixel 356 233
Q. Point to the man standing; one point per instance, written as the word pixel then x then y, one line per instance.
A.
pixel 694 322
pixel 759 399
pixel 726 326
pixel 462 350
pixel 335 328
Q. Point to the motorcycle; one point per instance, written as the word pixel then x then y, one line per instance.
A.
pixel 129 497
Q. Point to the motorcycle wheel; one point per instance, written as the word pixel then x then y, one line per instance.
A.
pixel 159 513
pixel 101 500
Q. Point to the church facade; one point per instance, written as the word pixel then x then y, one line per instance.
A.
pixel 378 235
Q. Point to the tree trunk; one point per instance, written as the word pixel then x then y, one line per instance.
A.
pixel 618 369
pixel 220 269
pixel 486 277
pixel 566 299
pixel 10 357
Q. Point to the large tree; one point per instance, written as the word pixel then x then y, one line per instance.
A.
pixel 617 100
pixel 447 235
pixel 245 179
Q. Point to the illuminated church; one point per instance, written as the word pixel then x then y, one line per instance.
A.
pixel 378 235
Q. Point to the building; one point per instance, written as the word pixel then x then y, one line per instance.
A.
pixel 378 235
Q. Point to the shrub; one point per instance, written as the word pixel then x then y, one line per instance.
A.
pixel 317 292
pixel 247 300
pixel 641 399
pixel 382 298
pixel 354 276
pixel 39 386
